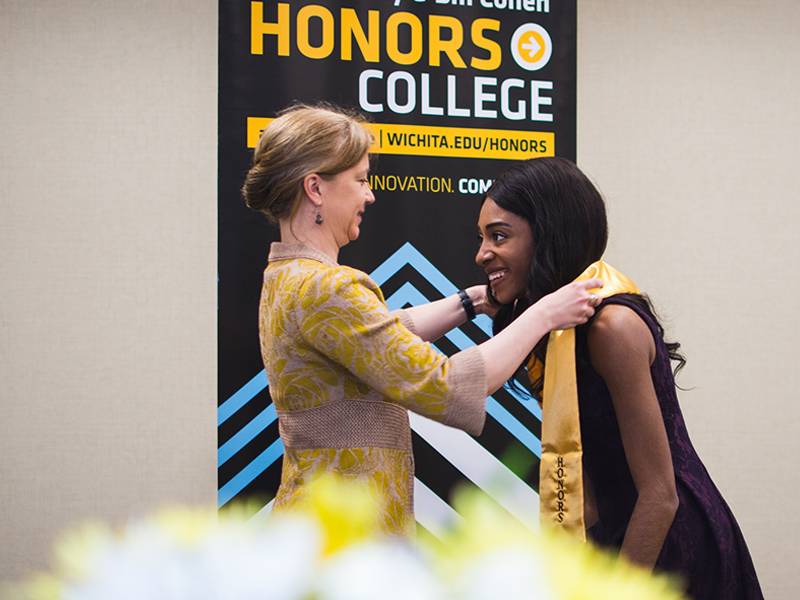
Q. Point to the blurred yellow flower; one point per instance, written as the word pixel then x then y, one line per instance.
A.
pixel 187 526
pixel 330 547
pixel 346 510
pixel 78 550
pixel 565 568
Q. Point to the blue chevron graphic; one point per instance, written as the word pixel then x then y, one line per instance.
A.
pixel 245 393
pixel 246 434
pixel 407 294
pixel 257 466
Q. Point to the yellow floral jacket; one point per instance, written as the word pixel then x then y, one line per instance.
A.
pixel 343 371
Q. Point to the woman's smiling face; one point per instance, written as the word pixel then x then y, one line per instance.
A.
pixel 505 252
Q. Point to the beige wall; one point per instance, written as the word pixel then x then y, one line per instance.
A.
pixel 107 263
pixel 686 114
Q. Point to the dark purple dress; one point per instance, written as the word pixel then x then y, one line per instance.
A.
pixel 704 545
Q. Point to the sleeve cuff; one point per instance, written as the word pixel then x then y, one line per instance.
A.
pixel 406 320
pixel 466 379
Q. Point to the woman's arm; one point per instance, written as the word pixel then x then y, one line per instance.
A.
pixel 431 321
pixel 621 349
pixel 342 316
pixel 503 353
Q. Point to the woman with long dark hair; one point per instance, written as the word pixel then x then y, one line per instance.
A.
pixel 617 463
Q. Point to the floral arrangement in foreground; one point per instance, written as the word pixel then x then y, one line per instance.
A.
pixel 329 549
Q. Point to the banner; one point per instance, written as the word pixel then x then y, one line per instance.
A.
pixel 455 90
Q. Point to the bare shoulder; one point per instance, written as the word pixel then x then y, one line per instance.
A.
pixel 619 339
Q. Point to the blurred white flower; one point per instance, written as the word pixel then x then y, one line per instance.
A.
pixel 144 563
pixel 389 570
pixel 237 561
pixel 508 573
pixel 279 562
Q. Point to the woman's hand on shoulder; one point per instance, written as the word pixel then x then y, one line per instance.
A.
pixel 570 305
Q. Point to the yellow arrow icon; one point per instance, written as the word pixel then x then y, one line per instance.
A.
pixel 531 46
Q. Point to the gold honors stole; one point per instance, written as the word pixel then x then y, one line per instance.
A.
pixel 561 468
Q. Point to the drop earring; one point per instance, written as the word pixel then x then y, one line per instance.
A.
pixel 318 219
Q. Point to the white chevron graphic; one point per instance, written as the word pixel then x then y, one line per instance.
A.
pixel 482 468
pixel 433 513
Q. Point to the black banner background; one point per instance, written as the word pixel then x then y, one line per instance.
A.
pixel 441 226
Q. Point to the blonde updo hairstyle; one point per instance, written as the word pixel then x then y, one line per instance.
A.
pixel 322 139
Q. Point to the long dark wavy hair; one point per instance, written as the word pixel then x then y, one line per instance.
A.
pixel 567 217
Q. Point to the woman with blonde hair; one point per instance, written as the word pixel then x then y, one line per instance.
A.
pixel 343 370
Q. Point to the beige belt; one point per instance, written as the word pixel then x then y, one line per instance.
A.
pixel 346 424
